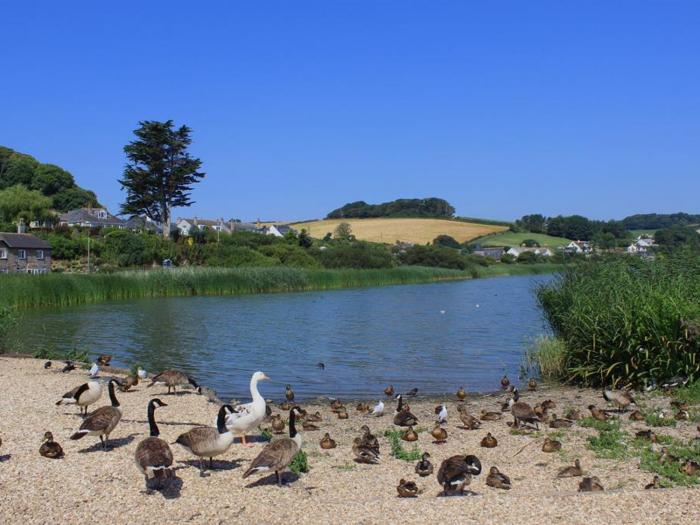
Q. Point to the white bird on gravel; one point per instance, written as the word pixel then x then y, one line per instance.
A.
pixel 442 415
pixel 94 370
pixel 378 409
pixel 141 373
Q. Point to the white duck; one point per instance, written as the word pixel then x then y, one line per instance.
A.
pixel 141 373
pixel 378 409
pixel 94 370
pixel 248 416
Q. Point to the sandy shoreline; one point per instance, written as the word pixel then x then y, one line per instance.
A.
pixel 89 482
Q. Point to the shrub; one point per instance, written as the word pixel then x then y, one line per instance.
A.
pixel 546 358
pixel 354 255
pixel 446 241
pixel 124 248
pixel 436 256
pixel 290 255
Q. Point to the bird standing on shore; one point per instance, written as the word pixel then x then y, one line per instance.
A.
pixel 505 382
pixel 247 417
pixel 620 398
pixel 172 379
pixel 208 442
pixel 461 394
pixel 424 467
pixel 289 393
pixel 70 366
pixel 94 370
pixel 442 414
pixel 153 455
pixel 83 396
pixel 49 448
pixel 102 421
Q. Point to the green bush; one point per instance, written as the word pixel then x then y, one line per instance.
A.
pixel 546 358
pixel 290 255
pixel 435 256
pixel 354 255
pixel 7 320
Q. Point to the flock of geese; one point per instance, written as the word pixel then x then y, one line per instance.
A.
pixel 154 457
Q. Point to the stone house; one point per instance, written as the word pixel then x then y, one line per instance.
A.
pixel 24 253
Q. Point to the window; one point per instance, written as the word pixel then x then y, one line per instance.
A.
pixel 21 254
pixel 40 254
pixel 3 253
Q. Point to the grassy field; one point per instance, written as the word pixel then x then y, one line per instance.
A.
pixel 514 239
pixel 417 231
pixel 637 233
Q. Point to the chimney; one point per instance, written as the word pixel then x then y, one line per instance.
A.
pixel 21 227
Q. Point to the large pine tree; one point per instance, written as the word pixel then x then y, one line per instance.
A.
pixel 160 172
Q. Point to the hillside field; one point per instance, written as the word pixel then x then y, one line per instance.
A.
pixel 388 231
pixel 514 239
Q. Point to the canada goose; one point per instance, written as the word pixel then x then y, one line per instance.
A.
pixel 551 445
pixel 573 413
pixel 489 416
pixel 505 382
pixel 153 455
pixel 126 383
pixel 636 416
pixel 369 440
pixel 289 393
pixel 690 467
pixel 172 379
pixel 94 370
pixel 442 414
pixel 532 384
pixel 378 409
pixel 364 453
pixel 342 414
pixel 409 435
pixel 489 441
pixel 310 427
pixel 412 393
pixel 104 360
pixel 654 483
pixel 646 434
pixel 49 448
pixel 327 442
pixel 591 484
pixel 424 467
pixel 461 394
pixel 469 422
pixel 439 434
pixel 277 455
pixel 315 417
pixel 141 373
pixel 497 479
pixel 277 424
pixel 407 489
pixel 208 442
pixel 560 423
pixel 598 413
pixel 570 471
pixel 389 391
pixel 47 365
pixel 362 407
pixel 621 398
pixel 522 412
pixel 70 366
pixel 102 421
pixel 83 396
pixel 248 416
pixel 403 416
pixel 455 473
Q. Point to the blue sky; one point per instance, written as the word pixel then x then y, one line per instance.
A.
pixel 502 108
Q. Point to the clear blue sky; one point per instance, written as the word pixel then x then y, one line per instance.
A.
pixel 502 108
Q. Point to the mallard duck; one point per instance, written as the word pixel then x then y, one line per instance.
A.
pixel 208 442
pixel 315 417
pixel 412 393
pixel 636 416
pixel 172 379
pixel 646 434
pixel 424 467
pixel 560 423
pixel 469 422
pixel 680 405
pixel 278 454
pixel 289 393
pixel 461 394
pixel 573 414
pixel 363 453
pixel 591 484
pixel 342 414
pixel 362 407
pixel 620 398
pixel 497 479
pixel 277 424
pixel 439 433
pixel 551 445
pixel 389 391
pixel 309 427
pixel 571 471
pixel 409 435
pixel 532 384
pixel 655 484
pixel 369 440
pixel 456 472
pixel 153 455
pixel 489 416
pixel 682 415
pixel 505 382
pixel 128 382
pixel 407 489
pixel 327 442
pixel 598 414
pixel 336 405
pixel 548 404
pixel 47 365
pixel 247 417
pixel 378 409
pixel 403 416
pixel 690 467
pixel 104 360
pixel 523 413
pixel 49 448
pixel 285 406
pixel 83 396
pixel 102 421
pixel 489 441
pixel 70 366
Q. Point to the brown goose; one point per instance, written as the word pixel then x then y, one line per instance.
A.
pixel 327 442
pixel 153 455
pixel 208 442
pixel 49 448
pixel 591 484
pixel 407 489
pixel 456 472
pixel 277 455
pixel 560 423
pixel 598 413
pixel 551 445
pixel 489 441
pixel 128 382
pixel 620 398
pixel 424 467
pixel 83 396
pixel 403 416
pixel 522 412
pixel 571 471
pixel 102 421
pixel 173 379
pixel 498 479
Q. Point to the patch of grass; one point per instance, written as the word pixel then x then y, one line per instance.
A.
pixel 546 358
pixel 610 444
pixel 514 239
pixel 601 426
pixel 689 393
pixel 655 420
pixel 300 463
pixel 671 471
pixel 397 449
pixel 266 435
pixel 81 356
pixel 559 435
pixel 345 467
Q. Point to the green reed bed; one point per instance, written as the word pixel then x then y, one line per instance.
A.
pixel 627 321
pixel 29 291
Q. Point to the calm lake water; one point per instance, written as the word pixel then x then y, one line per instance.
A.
pixel 433 336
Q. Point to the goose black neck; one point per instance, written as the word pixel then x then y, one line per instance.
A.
pixel 152 419
pixel 221 419
pixel 292 423
pixel 398 409
pixel 112 396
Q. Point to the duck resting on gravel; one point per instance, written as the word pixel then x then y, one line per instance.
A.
pixel 456 473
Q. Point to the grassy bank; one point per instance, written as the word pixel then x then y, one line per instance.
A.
pixel 29 291
pixel 498 270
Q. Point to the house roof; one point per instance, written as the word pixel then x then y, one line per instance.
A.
pixel 86 215
pixel 24 240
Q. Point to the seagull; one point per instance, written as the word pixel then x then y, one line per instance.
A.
pixel 378 409
pixel 94 370
pixel 442 311
pixel 141 373
pixel 442 415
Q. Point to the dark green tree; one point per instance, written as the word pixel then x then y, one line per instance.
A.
pixel 160 172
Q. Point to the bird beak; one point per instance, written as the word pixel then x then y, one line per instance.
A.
pixel 164 404
pixel 266 377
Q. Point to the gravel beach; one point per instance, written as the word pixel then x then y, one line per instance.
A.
pixel 90 483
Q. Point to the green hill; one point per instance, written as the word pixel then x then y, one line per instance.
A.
pixel 515 239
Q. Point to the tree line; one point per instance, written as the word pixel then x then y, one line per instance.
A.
pixel 430 208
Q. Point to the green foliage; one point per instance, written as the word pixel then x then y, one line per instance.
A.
pixel 430 207
pixel 266 435
pixel 689 393
pixel 290 255
pixel 611 425
pixel 356 254
pixel 650 461
pixel 654 221
pixel 19 202
pixel 300 463
pixel 677 236
pixel 79 356
pixel 397 449
pixel 530 243
pixel 343 232
pixel 49 179
pixel 622 320
pixel 655 420
pixel 610 444
pixel 304 239
pixel 7 321
pixel 535 223
pixel 446 241
pixel 435 256
pixel 72 198
pixel 546 358
pixel 124 248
